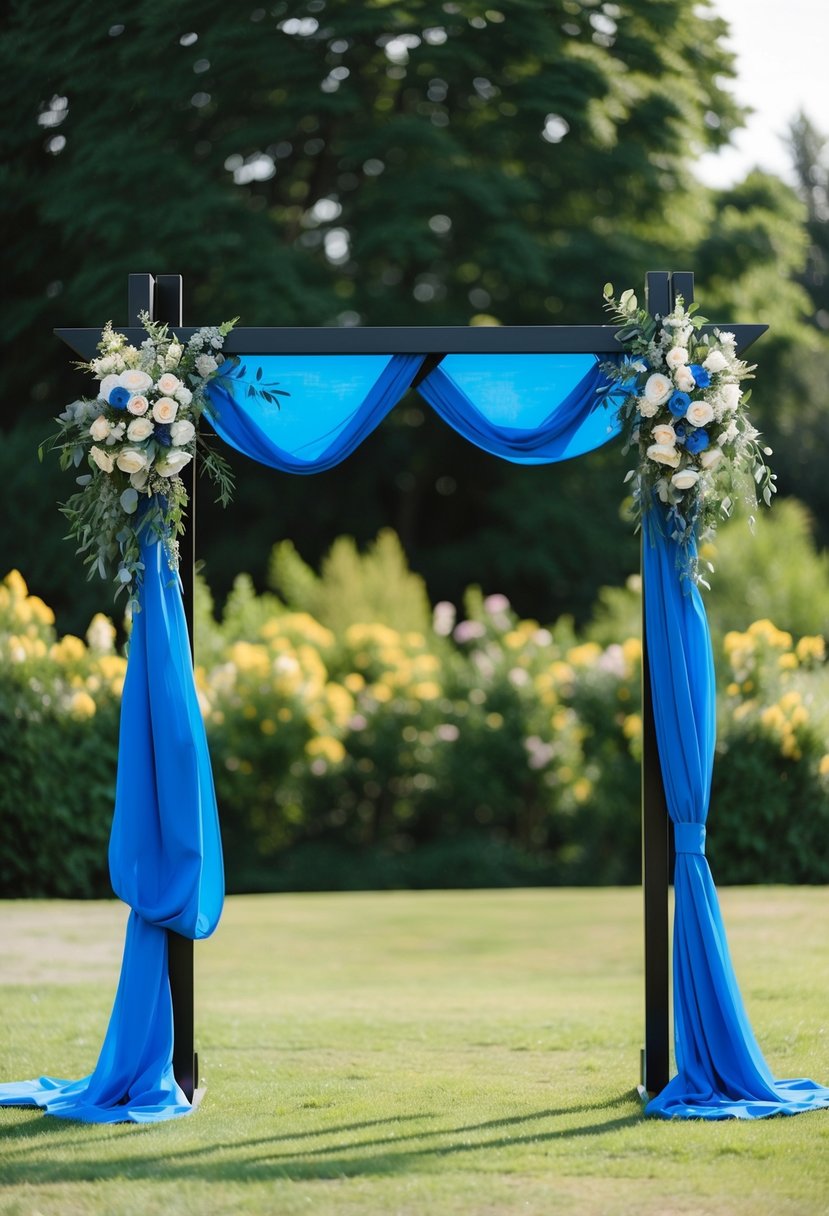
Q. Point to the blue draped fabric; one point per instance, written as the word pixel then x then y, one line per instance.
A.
pixel 306 413
pixel 721 1072
pixel 528 409
pixel 165 862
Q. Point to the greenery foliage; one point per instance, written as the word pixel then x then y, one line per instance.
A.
pixel 485 751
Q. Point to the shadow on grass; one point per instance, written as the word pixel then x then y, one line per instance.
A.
pixel 261 1159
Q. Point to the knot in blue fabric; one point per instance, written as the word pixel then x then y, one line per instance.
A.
pixel 689 838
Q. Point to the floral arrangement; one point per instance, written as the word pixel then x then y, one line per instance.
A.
pixel 684 411
pixel 137 435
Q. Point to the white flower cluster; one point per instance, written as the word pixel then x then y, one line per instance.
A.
pixel 145 424
pixel 137 435
pixel 684 410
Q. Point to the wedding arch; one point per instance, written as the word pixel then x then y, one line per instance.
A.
pixel 528 394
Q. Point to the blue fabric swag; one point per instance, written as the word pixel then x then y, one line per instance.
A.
pixel 721 1072
pixel 165 862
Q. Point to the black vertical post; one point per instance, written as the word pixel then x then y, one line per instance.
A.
pixel 168 307
pixel 655 835
pixel 140 296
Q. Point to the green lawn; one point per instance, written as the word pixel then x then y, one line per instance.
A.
pixel 398 1054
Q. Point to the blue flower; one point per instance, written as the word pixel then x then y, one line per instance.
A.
pixel 702 377
pixel 678 403
pixel 680 430
pixel 697 441
pixel 119 397
pixel 162 435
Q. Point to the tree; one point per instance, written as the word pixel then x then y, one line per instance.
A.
pixel 347 163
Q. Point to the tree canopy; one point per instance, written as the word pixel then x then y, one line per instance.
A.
pixel 326 162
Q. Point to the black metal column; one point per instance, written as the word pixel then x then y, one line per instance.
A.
pixel 655 835
pixel 165 293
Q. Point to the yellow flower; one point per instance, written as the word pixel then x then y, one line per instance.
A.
pixel 787 661
pixel 428 690
pixel 284 714
pixel 354 682
pixel 632 726
pixel 733 690
pixel 326 747
pixel 267 726
pixel 790 699
pixel 811 649
pixel 494 721
pixel 824 765
pixel 81 705
pixel 582 789
pixel 584 655
pixel 68 650
pixel 42 613
pixel 101 633
pixel 16 584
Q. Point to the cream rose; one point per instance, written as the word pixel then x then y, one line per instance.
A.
pixel 165 409
pixel 684 379
pixel 130 460
pixel 699 413
pixel 664 435
pixel 684 479
pixel 710 458
pixel 715 361
pixel 182 432
pixel 138 429
pixel 135 381
pixel 172 463
pixel 100 428
pixel 658 388
pixel 102 459
pixel 167 384
pixel 663 453
pixel 677 356
pixel 138 405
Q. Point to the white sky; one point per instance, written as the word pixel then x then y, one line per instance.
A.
pixel 782 51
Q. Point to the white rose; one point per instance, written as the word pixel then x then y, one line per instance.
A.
pixel 135 381
pixel 102 459
pixel 165 409
pixel 663 453
pixel 167 384
pixel 710 458
pixel 138 429
pixel 658 388
pixel 647 408
pixel 138 405
pixel 664 435
pixel 699 413
pixel 715 361
pixel 677 356
pixel 172 463
pixel 108 384
pixel 130 460
pixel 182 432
pixel 100 428
pixel 206 365
pixel 183 395
pixel 730 395
pixel 684 379
pixel 684 479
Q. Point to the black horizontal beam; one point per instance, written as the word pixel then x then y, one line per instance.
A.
pixel 408 339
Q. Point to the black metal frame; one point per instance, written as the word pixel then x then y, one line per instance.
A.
pixel 161 297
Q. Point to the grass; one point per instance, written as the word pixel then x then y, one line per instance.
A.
pixel 402 1054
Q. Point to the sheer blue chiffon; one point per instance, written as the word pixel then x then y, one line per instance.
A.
pixel 165 862
pixel 721 1072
